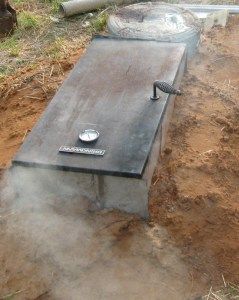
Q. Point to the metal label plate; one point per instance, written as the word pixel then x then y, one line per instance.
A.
pixel 79 150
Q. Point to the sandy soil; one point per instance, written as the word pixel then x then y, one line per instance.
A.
pixel 196 188
pixel 56 250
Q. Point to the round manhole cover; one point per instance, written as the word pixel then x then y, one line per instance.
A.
pixel 156 21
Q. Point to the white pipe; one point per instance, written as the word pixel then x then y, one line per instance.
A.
pixel 71 8
pixel 232 9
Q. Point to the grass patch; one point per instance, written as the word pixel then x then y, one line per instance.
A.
pixel 28 20
pixel 229 291
pixel 18 1
pixel 39 36
pixel 54 4
pixel 11 45
pixel 99 23
pixel 3 72
pixel 57 49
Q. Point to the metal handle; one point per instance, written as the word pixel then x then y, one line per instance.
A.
pixel 164 87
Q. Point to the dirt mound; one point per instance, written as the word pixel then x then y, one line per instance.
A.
pixel 196 188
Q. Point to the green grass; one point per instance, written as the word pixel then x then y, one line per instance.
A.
pixel 54 5
pixel 28 20
pixel 17 2
pixel 229 291
pixel 53 40
pixel 3 72
pixel 11 45
pixel 56 49
pixel 99 23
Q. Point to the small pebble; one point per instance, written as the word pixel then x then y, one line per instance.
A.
pixel 167 151
pixel 225 138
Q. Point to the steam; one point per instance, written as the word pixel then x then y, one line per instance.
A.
pixel 63 247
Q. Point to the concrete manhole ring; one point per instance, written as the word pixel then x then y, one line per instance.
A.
pixel 156 21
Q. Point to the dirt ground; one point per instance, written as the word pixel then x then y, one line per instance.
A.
pixel 192 237
pixel 31 91
pixel 196 190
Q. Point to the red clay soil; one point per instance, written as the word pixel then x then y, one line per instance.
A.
pixel 195 194
pixel 196 185
pixel 29 93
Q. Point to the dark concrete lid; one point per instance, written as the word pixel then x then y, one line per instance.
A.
pixel 108 90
